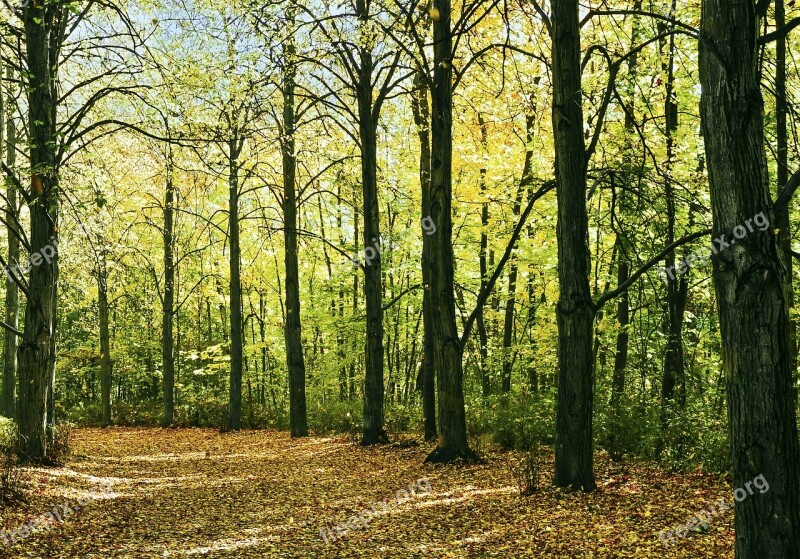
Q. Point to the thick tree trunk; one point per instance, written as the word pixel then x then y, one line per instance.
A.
pixel 298 420
pixel 422 119
pixel 447 345
pixel 748 280
pixel 373 289
pixel 12 291
pixel 34 353
pixel 105 345
pixel 574 444
pixel 235 389
pixel 168 302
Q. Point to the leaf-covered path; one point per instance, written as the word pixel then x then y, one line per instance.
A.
pixel 197 493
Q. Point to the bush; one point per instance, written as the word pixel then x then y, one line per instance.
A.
pixel 514 421
pixel 526 472
pixel 400 419
pixel 61 445
pixel 338 417
pixel 10 488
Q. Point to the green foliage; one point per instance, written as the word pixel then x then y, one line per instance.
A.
pixel 515 421
pixel 335 417
pixel 402 418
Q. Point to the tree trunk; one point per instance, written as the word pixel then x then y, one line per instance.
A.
pixel 623 319
pixel 446 343
pixel 105 343
pixel 748 280
pixel 483 338
pixel 34 353
pixel 168 302
pixel 782 219
pixel 298 420
pixel 12 291
pixel 511 296
pixel 422 119
pixel 373 290
pixel 574 444
pixel 235 390
pixel 677 284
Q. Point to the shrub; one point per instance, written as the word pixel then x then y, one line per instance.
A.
pixel 10 488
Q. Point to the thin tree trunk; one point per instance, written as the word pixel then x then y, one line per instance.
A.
pixel 168 303
pixel 748 281
pixel 235 393
pixel 782 218
pixel 295 362
pixel 483 338
pixel 105 343
pixel 12 291
pixel 511 296
pixel 574 444
pixel 677 284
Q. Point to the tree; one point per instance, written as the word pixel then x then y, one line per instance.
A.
pixel 748 281
pixel 574 445
pixel 298 422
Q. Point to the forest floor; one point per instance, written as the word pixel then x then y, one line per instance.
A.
pixel 198 493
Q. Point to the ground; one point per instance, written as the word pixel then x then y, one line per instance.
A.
pixel 198 493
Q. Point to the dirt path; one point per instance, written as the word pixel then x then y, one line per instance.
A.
pixel 197 493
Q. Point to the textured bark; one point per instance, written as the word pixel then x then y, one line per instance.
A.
pixel 168 301
pixel 748 280
pixel 35 350
pixel 483 339
pixel 105 344
pixel 511 295
pixel 373 287
pixel 574 445
pixel 12 291
pixel 234 422
pixel 782 219
pixel 298 419
pixel 422 120
pixel 623 319
pixel 674 377
pixel 447 345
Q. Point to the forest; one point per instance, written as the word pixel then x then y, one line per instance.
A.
pixel 399 278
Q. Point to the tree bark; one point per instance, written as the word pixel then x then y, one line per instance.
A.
pixel 448 352
pixel 674 376
pixel 12 290
pixel 373 289
pixel 422 119
pixel 35 350
pixel 748 280
pixel 168 302
pixel 105 343
pixel 575 311
pixel 235 389
pixel 295 362
pixel 782 217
